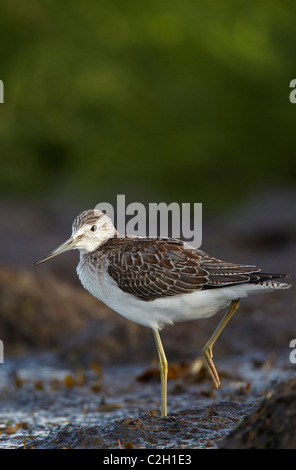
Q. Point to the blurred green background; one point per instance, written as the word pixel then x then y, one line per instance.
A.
pixel 174 101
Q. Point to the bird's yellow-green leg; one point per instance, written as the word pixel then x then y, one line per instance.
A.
pixel 163 367
pixel 207 351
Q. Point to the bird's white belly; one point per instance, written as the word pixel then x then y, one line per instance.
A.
pixel 161 311
pixel 153 313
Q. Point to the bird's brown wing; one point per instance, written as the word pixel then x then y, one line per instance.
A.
pixel 153 268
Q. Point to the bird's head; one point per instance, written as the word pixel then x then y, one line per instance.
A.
pixel 90 230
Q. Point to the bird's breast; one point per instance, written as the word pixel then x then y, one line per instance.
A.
pixel 90 273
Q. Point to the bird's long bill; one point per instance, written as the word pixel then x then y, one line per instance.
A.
pixel 68 245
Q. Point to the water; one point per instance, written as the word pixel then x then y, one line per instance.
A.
pixel 45 403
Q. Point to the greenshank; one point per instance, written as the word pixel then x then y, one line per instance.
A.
pixel 159 281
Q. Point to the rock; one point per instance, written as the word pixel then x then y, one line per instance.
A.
pixel 189 428
pixel 271 426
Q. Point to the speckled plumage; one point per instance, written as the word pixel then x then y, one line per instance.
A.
pixel 154 281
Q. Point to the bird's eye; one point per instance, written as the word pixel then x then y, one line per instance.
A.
pixel 93 228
